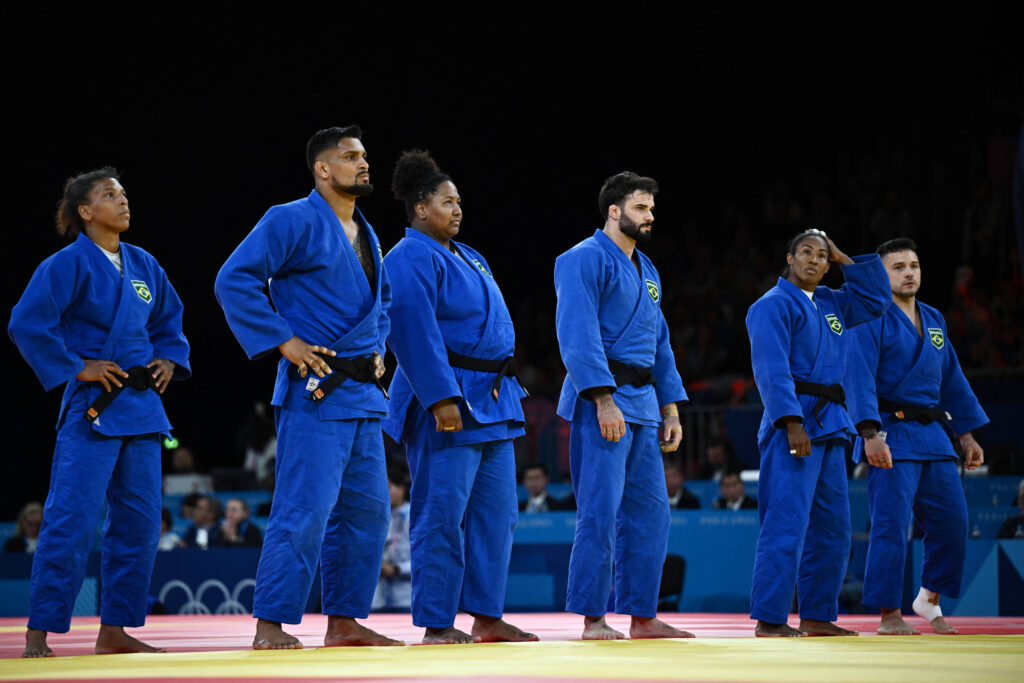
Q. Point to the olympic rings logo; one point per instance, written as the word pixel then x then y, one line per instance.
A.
pixel 194 603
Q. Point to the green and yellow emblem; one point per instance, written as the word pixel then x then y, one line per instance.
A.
pixel 142 289
pixel 481 267
pixel 652 289
pixel 833 323
pixel 381 252
pixel 935 334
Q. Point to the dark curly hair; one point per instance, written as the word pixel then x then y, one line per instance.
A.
pixel 76 193
pixel 416 177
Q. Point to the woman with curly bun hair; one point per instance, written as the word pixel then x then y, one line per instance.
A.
pixel 456 406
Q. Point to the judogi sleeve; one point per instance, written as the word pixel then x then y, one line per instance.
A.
pixel 384 322
pixel 578 285
pixel 861 369
pixel 35 322
pixel 768 325
pixel 271 248
pixel 165 327
pixel 416 338
pixel 956 396
pixel 866 293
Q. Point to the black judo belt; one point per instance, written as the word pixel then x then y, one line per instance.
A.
pixel 905 413
pixel 138 379
pixel 360 369
pixel 627 374
pixel 507 367
pixel 826 393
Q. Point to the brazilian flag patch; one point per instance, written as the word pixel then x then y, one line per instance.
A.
pixel 142 289
pixel 481 267
pixel 381 252
pixel 935 334
pixel 652 289
pixel 834 324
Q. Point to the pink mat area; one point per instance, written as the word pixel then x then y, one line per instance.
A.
pixel 179 633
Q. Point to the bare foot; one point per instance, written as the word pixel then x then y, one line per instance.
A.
pixel 940 626
pixel 652 627
pixel 892 624
pixel 447 636
pixel 270 636
pixel 595 628
pixel 495 630
pixel 35 644
pixel 765 629
pixel 346 631
pixel 815 628
pixel 113 640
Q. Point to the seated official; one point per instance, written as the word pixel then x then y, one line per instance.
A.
pixel 205 530
pixel 733 494
pixel 237 529
pixel 26 532
pixel 679 497
pixel 535 481
pixel 1014 526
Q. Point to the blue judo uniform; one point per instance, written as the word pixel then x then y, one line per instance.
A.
pixel 890 360
pixel 78 307
pixel 463 495
pixel 607 310
pixel 331 499
pixel 803 502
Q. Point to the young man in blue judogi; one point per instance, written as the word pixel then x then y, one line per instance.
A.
pixel 621 389
pixel 913 408
pixel 329 320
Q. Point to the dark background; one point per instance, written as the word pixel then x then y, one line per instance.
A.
pixel 528 109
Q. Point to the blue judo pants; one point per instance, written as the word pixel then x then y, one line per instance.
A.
pixel 89 468
pixel 805 531
pixel 463 510
pixel 931 490
pixel 622 509
pixel 331 504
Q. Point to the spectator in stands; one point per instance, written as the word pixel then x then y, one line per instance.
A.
pixel 26 532
pixel 679 497
pixel 183 461
pixel 188 505
pixel 535 481
pixel 394 588
pixel 204 531
pixel 259 441
pixel 1012 527
pixel 236 529
pixel 718 459
pixel 733 494
pixel 168 539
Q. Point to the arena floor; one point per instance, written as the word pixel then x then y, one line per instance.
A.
pixel 216 648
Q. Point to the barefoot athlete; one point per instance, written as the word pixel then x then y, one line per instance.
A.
pixel 101 316
pixel 798 333
pixel 328 319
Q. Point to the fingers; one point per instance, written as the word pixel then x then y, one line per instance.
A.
pixel 613 431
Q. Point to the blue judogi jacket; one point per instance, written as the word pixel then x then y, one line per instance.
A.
pixel 320 295
pixel 446 301
pixel 792 338
pixel 77 307
pixel 890 360
pixel 607 310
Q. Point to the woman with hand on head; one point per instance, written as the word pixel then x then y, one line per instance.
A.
pixel 798 353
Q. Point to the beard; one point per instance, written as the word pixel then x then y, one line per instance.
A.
pixel 357 190
pixel 634 230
